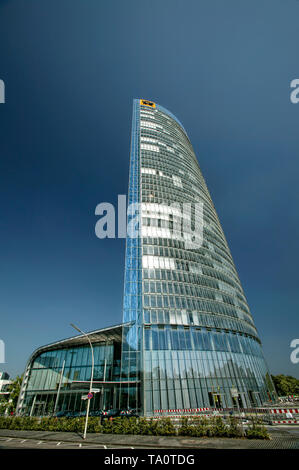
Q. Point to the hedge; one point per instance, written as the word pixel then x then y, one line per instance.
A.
pixel 195 427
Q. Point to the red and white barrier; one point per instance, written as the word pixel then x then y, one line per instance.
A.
pixel 290 421
pixel 181 416
pixel 185 410
pixel 182 411
pixel 283 411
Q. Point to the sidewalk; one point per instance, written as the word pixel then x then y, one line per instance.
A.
pixel 280 439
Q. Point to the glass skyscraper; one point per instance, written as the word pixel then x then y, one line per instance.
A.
pixel 187 340
pixel 190 340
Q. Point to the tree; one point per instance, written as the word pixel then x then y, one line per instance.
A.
pixel 286 385
pixel 8 403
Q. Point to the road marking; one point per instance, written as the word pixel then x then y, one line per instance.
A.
pixel 23 441
pixel 10 439
pixel 105 447
pixel 58 443
pixel 40 442
pixel 80 445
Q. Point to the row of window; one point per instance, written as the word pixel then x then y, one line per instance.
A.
pixel 193 279
pixel 177 338
pixel 189 317
pixel 187 255
pixel 185 290
pixel 164 301
pixel 153 287
pixel 173 163
pixel 152 180
pixel 73 357
pixel 205 249
pixel 199 276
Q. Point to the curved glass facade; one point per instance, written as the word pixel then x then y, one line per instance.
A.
pixel 59 374
pixel 61 369
pixel 192 337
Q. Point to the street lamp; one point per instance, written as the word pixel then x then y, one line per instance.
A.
pixel 91 377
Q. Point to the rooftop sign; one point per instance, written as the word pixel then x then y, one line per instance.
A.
pixel 151 104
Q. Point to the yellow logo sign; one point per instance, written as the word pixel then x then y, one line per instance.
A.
pixel 147 103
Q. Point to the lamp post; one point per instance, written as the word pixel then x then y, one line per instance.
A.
pixel 91 376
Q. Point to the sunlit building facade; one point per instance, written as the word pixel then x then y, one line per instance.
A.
pixel 192 340
pixel 58 375
pixel 188 339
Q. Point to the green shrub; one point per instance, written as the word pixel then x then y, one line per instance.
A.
pixel 198 427
pixel 94 425
pixel 164 427
pixel 193 427
pixel 218 428
pixel 234 428
pixel 151 427
pixel 130 426
pixel 185 428
pixel 5 422
pixel 107 426
pixel 118 426
pixel 256 430
pixel 50 424
pixel 144 426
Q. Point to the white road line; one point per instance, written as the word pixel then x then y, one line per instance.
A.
pixel 40 442
pixel 58 443
pixel 10 439
pixel 23 441
pixel 132 447
pixel 80 445
pixel 105 447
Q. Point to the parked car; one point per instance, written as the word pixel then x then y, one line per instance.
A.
pixel 112 413
pixel 129 413
pixel 60 414
pixel 96 413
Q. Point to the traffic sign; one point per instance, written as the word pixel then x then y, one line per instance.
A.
pixel 234 392
pixel 89 396
pixel 95 390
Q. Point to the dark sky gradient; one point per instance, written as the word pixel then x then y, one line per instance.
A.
pixel 72 69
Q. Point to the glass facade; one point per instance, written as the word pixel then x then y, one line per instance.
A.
pixel 192 337
pixel 58 375
pixel 188 337
pixel 131 364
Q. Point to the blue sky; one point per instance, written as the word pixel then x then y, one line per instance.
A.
pixel 71 71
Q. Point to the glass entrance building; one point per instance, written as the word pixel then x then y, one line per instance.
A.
pixel 188 339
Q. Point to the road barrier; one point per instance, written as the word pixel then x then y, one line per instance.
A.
pixel 194 411
pixel 267 415
pixel 290 421
pixel 285 410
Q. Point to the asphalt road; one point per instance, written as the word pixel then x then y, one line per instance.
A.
pixel 19 443
pixel 292 430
